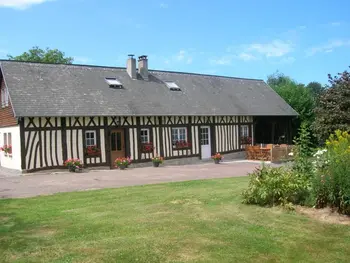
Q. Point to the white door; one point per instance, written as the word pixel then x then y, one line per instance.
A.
pixel 205 142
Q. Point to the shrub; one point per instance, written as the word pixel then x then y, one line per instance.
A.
pixel 302 152
pixel 275 186
pixel 331 184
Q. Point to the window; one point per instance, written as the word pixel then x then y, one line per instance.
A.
pixel 4 97
pixel 116 141
pixel 90 138
pixel 9 139
pixel 204 135
pixel 244 131
pixel 172 85
pixel 113 82
pixel 7 146
pixel 178 135
pixel 145 136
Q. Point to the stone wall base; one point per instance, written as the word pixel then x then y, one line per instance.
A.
pixel 6 172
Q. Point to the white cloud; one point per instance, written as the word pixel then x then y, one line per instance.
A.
pixel 163 5
pixel 335 24
pixel 256 51
pixel 3 52
pixel 82 60
pixel 327 48
pixel 223 60
pixel 276 48
pixel 286 60
pixel 189 60
pixel 246 56
pixel 21 4
pixel 183 56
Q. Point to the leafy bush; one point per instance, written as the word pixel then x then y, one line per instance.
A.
pixel 302 152
pixel 331 184
pixel 275 186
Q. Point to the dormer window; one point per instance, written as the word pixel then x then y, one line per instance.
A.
pixel 172 85
pixel 114 83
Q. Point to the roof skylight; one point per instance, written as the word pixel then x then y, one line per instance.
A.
pixel 113 82
pixel 172 85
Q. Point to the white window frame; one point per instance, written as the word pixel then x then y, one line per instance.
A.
pixel 244 131
pixel 94 139
pixel 4 97
pixel 147 136
pixel 178 134
pixel 6 141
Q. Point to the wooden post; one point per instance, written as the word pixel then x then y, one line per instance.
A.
pixel 273 125
pixel 161 146
pixel 23 147
pixel 64 138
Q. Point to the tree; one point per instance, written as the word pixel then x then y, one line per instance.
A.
pixel 316 88
pixel 37 54
pixel 333 110
pixel 295 94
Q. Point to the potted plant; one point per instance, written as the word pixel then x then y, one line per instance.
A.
pixel 122 162
pixel 147 147
pixel 7 149
pixel 74 165
pixel 157 160
pixel 217 158
pixel 129 161
pixel 92 151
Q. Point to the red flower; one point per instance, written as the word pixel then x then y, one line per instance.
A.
pixel 147 147
pixel 182 144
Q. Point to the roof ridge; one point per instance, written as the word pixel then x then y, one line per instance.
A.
pixel 202 74
pixel 114 67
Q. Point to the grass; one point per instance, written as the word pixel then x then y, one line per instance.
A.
pixel 197 221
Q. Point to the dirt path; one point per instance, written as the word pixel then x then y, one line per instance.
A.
pixel 44 184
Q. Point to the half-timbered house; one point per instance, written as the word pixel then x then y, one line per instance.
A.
pixel 53 112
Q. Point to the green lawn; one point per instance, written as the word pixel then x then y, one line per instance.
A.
pixel 197 221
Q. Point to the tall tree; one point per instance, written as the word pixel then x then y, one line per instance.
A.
pixel 48 55
pixel 295 94
pixel 333 110
pixel 316 88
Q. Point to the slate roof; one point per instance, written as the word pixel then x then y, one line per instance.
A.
pixel 77 90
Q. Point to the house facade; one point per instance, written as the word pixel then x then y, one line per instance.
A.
pixel 51 113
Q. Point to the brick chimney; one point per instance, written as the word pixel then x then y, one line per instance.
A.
pixel 131 66
pixel 143 67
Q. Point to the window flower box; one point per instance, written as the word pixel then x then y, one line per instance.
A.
pixel 7 149
pixel 246 140
pixel 181 145
pixel 147 147
pixel 92 151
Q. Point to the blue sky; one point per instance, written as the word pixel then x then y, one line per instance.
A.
pixel 303 39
